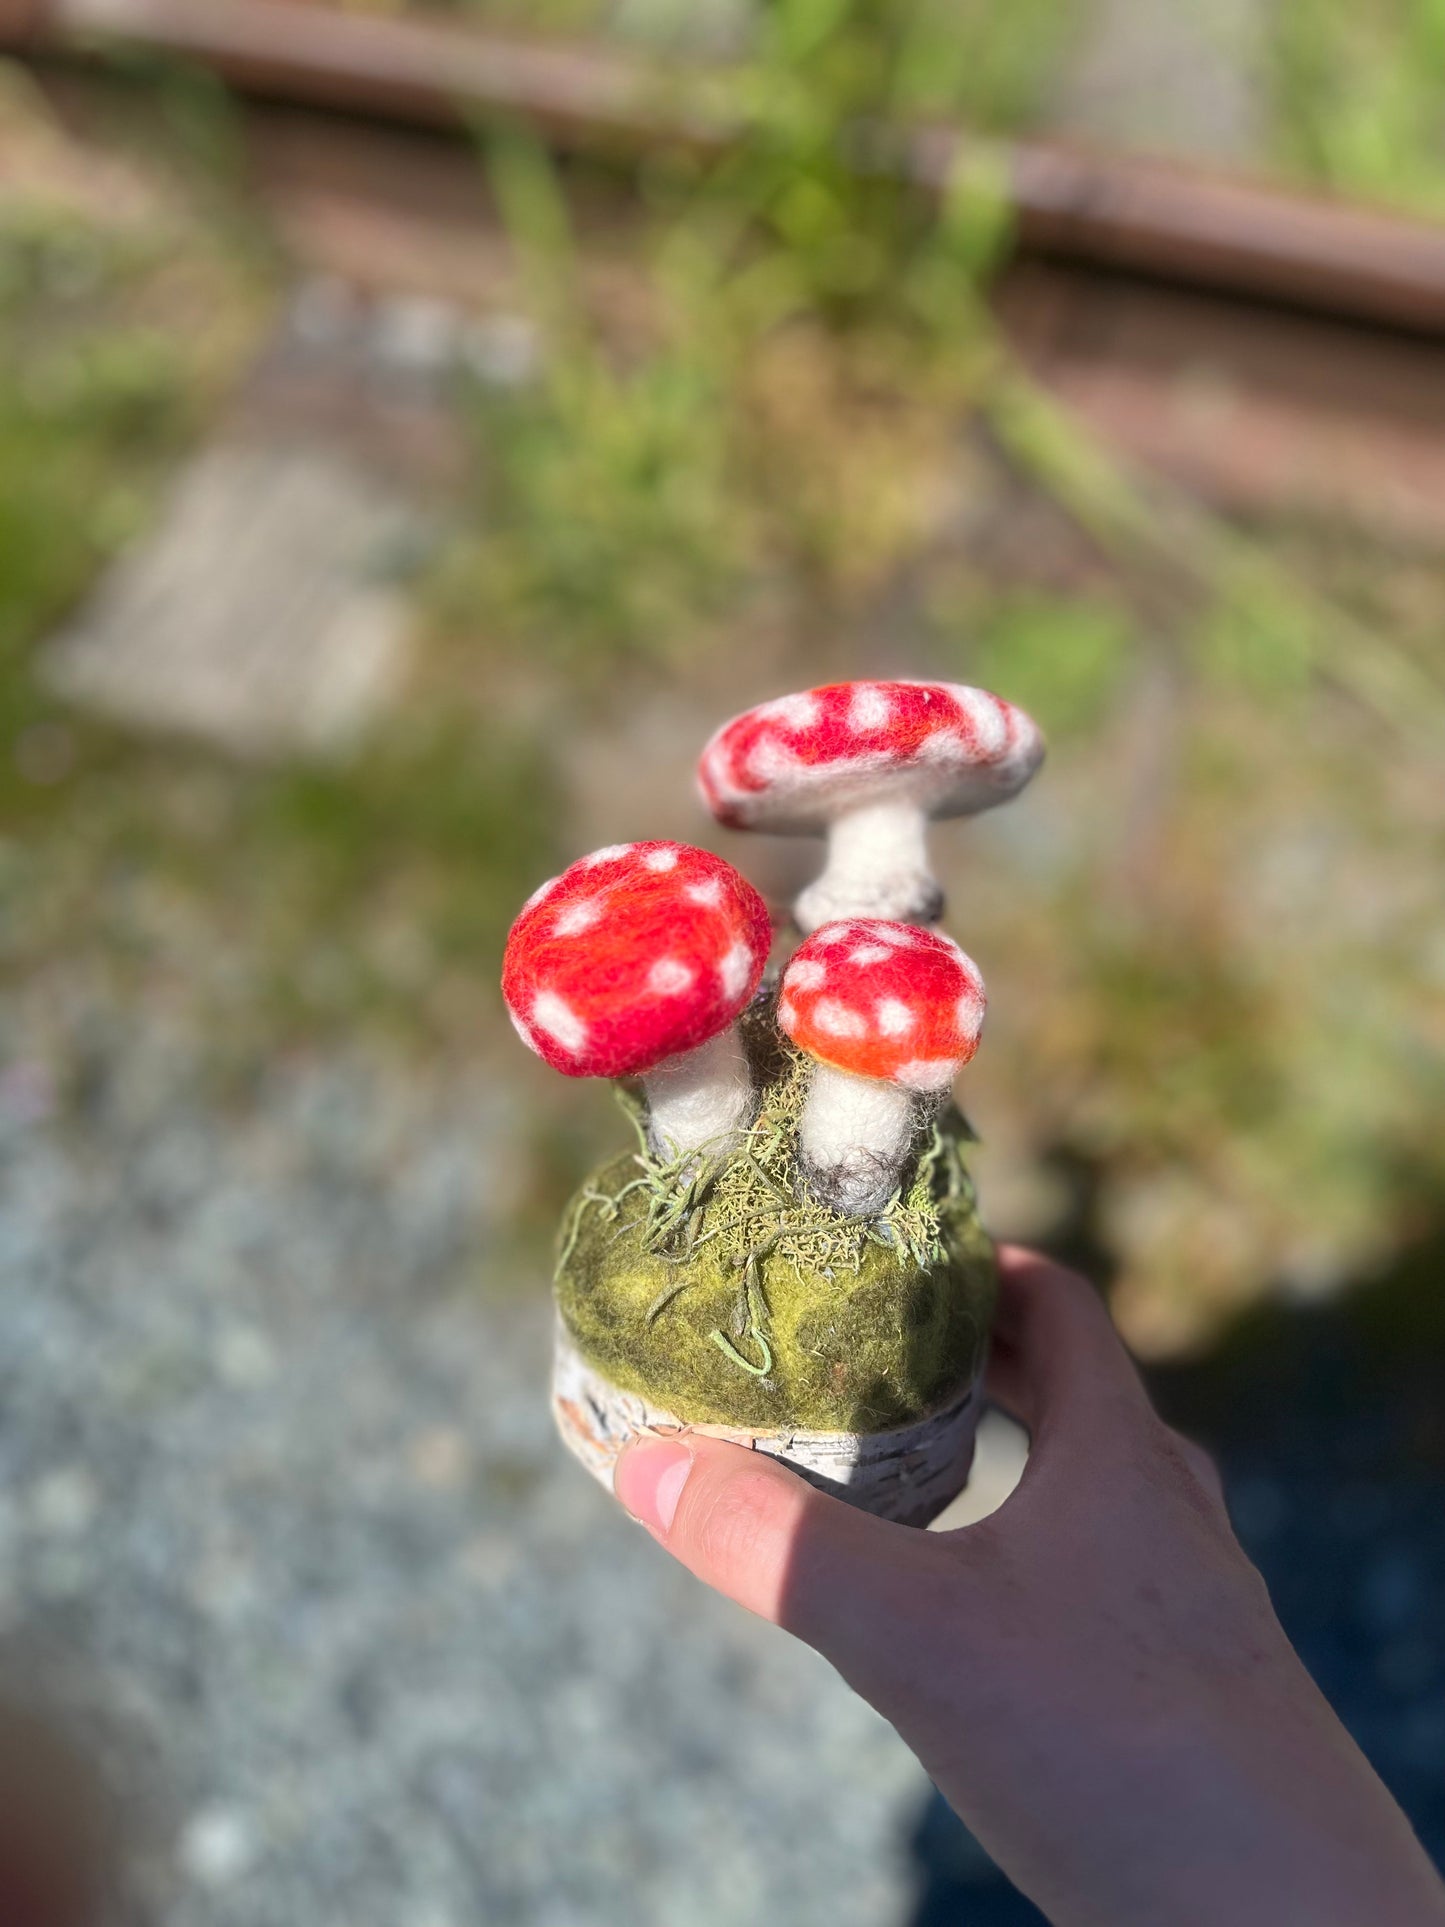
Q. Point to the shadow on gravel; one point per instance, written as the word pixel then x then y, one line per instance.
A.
pixel 1328 1422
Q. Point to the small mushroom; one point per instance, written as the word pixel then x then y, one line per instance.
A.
pixel 868 764
pixel 636 962
pixel 890 1013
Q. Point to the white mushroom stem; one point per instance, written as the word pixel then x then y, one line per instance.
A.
pixel 853 1136
pixel 877 867
pixel 700 1100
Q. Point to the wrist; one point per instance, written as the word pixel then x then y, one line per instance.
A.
pixel 1228 1804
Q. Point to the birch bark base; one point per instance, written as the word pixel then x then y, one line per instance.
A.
pixel 908 1474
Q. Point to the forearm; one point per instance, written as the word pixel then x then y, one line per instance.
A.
pixel 1245 1808
pixel 1094 1675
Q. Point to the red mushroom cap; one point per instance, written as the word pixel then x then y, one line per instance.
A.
pixel 636 952
pixel 794 764
pixel 884 1000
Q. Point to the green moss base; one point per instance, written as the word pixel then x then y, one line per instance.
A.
pixel 731 1298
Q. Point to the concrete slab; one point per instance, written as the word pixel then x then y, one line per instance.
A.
pixel 264 613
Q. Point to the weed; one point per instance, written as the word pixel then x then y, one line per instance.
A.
pixel 319 894
pixel 87 413
pixel 1356 92
pixel 802 310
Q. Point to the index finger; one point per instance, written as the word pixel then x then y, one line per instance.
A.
pixel 1058 1365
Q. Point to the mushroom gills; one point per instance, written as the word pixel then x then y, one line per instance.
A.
pixel 701 1100
pixel 877 867
pixel 853 1138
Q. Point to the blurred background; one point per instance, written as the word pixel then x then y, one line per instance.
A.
pixel 419 426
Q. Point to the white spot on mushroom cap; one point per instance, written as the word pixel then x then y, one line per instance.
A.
pixel 793 712
pixel 868 930
pixel 770 759
pixel 735 969
pixel 577 917
pixel 720 765
pixel 523 1030
pixel 670 976
pixel 870 953
pixel 895 1019
pixel 842 930
pixel 555 1016
pixel 927 1073
pixel 542 891
pixel 869 707
pixel 787 1014
pixel 709 892
pixel 837 1020
pixel 947 746
pixel 970 1012
pixel 609 853
pixel 807 973
pixel 988 716
pixel 664 859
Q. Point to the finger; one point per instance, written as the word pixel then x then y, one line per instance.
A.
pixel 1058 1365
pixel 756 1532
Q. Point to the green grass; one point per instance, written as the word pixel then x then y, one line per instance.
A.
pixel 1358 97
pixel 608 528
pixel 92 403
pixel 638 488
pixel 362 888
pixel 369 897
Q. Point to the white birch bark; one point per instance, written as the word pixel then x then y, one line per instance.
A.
pixel 908 1474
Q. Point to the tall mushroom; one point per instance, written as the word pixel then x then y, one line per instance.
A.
pixel 868 764
pixel 891 1014
pixel 635 962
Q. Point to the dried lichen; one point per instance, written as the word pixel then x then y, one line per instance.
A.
pixel 723 1292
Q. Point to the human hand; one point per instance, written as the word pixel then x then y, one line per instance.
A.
pixel 1093 1675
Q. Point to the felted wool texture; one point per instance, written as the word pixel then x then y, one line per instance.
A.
pixel 633 954
pixel 701 1098
pixel 833 1324
pixel 795 764
pixel 884 1000
pixel 877 867
pixel 853 1137
pixel 877 841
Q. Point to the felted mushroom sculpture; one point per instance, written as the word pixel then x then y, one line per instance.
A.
pixel 868 765
pixel 890 1014
pixel 636 962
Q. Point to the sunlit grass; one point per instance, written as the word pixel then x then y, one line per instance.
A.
pixel 361 888
pixel 88 412
pixel 1358 93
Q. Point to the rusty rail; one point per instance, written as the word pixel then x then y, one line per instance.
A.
pixel 1173 223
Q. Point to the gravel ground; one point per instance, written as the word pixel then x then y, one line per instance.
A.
pixel 286 1543
pixel 287 1546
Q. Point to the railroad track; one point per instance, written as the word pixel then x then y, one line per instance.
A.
pixel 1262 347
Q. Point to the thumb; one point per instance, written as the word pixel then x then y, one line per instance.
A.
pixel 756 1532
